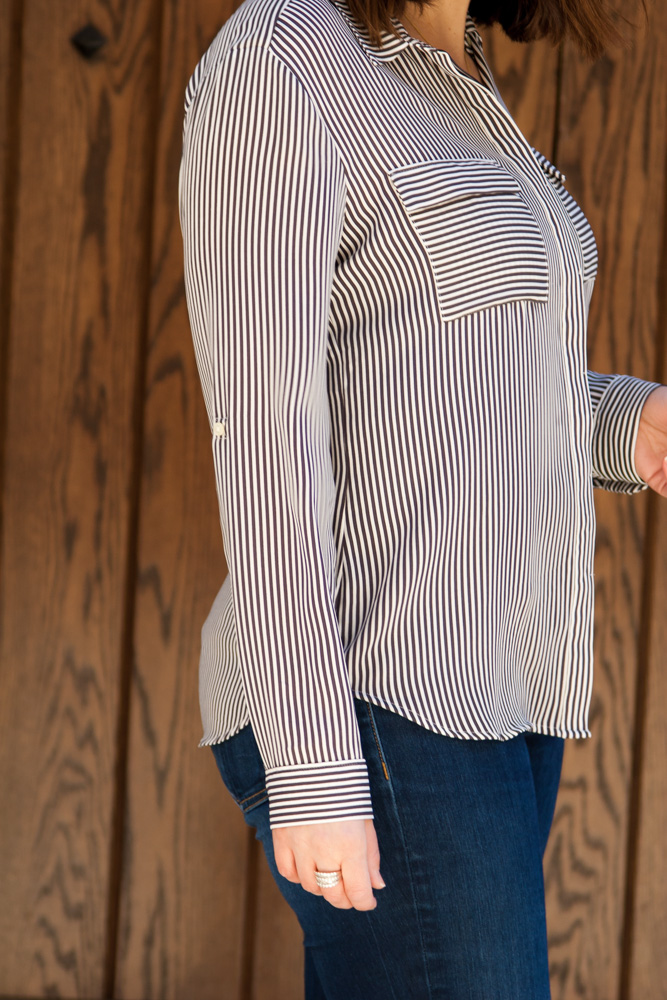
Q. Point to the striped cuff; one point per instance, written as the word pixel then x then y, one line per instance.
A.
pixel 616 424
pixel 318 793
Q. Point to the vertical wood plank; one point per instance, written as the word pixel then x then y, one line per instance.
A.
pixel 10 66
pixel 77 296
pixel 611 144
pixel 183 884
pixel 10 104
pixel 8 69
pixel 278 945
pixel 645 971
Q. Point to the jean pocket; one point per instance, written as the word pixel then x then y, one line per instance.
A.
pixel 241 769
pixel 369 734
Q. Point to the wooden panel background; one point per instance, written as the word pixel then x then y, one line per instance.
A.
pixel 126 870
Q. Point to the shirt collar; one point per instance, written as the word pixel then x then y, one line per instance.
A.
pixel 393 46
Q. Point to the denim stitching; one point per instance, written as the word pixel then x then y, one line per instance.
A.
pixel 412 881
pixel 377 742
pixel 248 797
pixel 254 805
pixel 380 949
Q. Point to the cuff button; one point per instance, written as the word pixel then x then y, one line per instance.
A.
pixel 220 428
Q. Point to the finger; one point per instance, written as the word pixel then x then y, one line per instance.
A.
pixel 373 856
pixel 285 862
pixel 377 882
pixel 659 483
pixel 357 881
pixel 306 871
pixel 336 895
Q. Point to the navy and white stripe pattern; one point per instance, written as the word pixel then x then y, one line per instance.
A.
pixel 388 290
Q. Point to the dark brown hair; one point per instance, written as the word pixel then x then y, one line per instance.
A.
pixel 593 24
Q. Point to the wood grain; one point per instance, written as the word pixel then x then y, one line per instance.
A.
pixel 78 286
pixel 100 375
pixel 184 864
pixel 10 61
pixel 611 145
pixel 278 951
pixel 11 22
pixel 647 973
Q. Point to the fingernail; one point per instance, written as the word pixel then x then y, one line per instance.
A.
pixel 382 881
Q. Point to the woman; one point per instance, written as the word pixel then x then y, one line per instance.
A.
pixel 388 289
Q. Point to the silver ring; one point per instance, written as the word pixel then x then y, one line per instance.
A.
pixel 326 880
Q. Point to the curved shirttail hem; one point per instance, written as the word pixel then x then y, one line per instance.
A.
pixel 536 727
pixel 540 728
pixel 207 741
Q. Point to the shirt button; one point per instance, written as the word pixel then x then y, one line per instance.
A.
pixel 220 428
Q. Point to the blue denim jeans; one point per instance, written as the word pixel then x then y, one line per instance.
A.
pixel 462 826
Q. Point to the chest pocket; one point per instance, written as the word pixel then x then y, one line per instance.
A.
pixel 589 248
pixel 481 237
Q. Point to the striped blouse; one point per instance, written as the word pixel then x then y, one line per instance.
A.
pixel 388 291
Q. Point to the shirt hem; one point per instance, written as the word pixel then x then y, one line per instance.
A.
pixel 541 728
pixel 536 727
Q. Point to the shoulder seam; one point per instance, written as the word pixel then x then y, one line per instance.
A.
pixel 297 77
pixel 264 44
pixel 316 110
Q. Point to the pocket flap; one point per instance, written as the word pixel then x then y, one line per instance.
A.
pixel 422 185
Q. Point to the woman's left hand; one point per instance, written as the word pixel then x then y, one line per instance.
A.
pixel 651 447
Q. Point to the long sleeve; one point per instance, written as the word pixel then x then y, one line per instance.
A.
pixel 389 297
pixel 617 402
pixel 270 202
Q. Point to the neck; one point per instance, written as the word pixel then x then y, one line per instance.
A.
pixel 441 24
